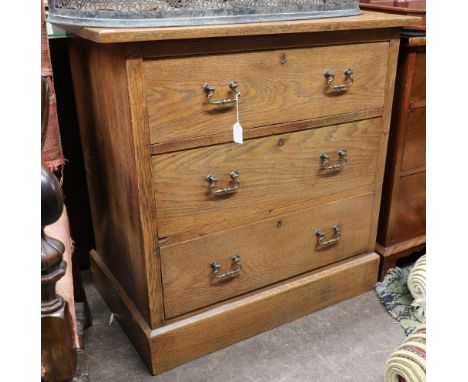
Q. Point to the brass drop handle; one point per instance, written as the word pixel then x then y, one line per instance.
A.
pixel 323 243
pixel 341 87
pixel 325 158
pixel 235 184
pixel 210 90
pixel 236 268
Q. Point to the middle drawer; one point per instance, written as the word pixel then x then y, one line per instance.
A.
pixel 273 172
pixel 195 273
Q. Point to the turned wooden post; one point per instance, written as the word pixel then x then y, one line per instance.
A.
pixel 58 354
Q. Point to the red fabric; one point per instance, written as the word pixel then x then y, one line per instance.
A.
pixel 52 154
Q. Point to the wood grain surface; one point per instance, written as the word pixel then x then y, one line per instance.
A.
pixel 136 327
pixel 196 336
pixel 368 20
pixel 418 85
pixel 145 184
pixel 231 44
pixel 391 65
pixel 414 151
pixel 268 214
pixel 150 139
pixel 174 344
pixel 399 7
pixel 271 92
pixel 263 131
pixel 111 156
pixel 410 208
pixel 275 171
pixel 417 41
pixel 403 212
pixel 270 251
pixel 400 247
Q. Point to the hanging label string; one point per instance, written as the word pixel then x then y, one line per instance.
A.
pixel 237 131
pixel 237 106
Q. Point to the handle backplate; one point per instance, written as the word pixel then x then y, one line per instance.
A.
pixel 235 184
pixel 330 76
pixel 322 242
pixel 325 158
pixel 236 268
pixel 210 91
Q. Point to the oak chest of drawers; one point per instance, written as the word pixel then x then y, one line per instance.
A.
pixel 202 242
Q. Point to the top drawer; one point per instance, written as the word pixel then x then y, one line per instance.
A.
pixel 276 86
pixel 418 88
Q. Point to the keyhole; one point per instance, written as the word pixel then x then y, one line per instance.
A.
pixel 279 224
pixel 281 142
pixel 283 59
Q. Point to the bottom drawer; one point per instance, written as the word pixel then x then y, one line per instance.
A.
pixel 262 253
pixel 201 334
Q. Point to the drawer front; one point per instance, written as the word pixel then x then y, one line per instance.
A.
pixel 418 89
pixel 414 154
pixel 268 251
pixel 409 218
pixel 276 86
pixel 274 172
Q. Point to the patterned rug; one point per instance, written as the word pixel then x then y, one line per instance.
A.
pixel 394 294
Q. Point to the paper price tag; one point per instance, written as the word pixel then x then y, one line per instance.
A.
pixel 238 133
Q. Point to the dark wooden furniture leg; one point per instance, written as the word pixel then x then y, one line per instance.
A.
pixel 58 354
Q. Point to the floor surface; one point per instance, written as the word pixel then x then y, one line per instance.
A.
pixel 349 341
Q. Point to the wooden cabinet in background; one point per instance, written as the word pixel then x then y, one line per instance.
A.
pixel 402 223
